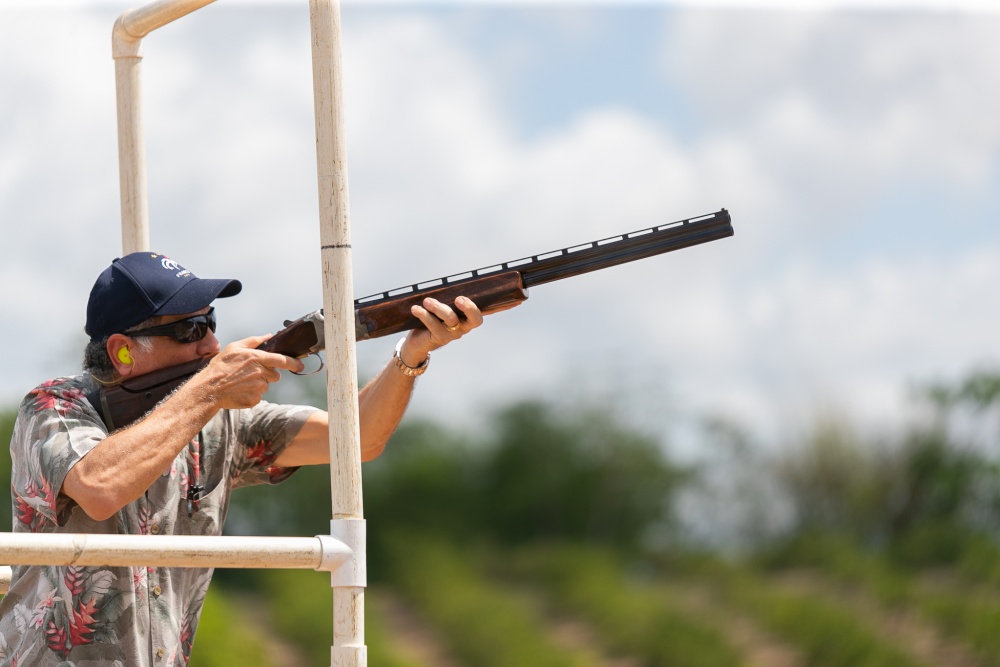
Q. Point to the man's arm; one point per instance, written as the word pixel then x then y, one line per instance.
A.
pixel 382 402
pixel 123 465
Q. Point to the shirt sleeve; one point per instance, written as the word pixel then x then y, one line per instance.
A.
pixel 56 427
pixel 263 432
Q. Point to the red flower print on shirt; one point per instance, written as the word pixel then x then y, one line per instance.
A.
pixel 260 453
pixel 56 639
pixel 81 625
pixel 51 396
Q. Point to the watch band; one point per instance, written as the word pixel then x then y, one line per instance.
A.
pixel 409 371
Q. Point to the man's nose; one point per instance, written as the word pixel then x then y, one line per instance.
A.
pixel 209 345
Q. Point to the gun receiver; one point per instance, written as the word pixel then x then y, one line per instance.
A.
pixel 492 288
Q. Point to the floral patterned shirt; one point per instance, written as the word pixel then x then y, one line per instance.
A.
pixel 122 616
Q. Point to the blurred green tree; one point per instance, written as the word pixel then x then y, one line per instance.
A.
pixel 578 475
pixel 7 418
pixel 926 495
pixel 537 473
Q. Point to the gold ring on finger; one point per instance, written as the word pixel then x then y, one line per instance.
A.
pixel 454 328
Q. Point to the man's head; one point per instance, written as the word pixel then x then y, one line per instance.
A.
pixel 144 290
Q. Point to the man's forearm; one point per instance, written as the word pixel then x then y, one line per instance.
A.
pixel 381 404
pixel 122 466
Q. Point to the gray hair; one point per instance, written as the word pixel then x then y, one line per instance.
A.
pixel 96 360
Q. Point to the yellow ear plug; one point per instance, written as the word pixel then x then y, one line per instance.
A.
pixel 124 356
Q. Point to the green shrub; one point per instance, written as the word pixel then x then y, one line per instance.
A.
pixel 974 621
pixel 836 557
pixel 980 564
pixel 632 619
pixel 581 476
pixel 7 418
pixel 382 651
pixel 483 624
pixel 225 636
pixel 826 633
pixel 301 607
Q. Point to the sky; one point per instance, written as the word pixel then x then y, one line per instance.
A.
pixel 855 145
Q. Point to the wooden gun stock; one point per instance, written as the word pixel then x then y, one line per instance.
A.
pixel 126 402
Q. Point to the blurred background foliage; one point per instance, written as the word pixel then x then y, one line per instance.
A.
pixel 562 535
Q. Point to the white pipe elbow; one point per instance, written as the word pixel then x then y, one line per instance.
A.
pixel 123 43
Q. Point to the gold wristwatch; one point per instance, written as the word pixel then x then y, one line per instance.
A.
pixel 409 371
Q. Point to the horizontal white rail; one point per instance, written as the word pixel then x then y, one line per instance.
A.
pixel 317 553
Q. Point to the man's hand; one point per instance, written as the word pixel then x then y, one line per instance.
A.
pixel 442 327
pixel 240 374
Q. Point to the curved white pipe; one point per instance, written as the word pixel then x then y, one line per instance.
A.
pixel 126 49
pixel 137 23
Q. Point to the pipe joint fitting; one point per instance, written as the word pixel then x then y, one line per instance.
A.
pixel 123 43
pixel 354 572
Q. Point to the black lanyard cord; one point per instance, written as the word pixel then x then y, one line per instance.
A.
pixel 195 489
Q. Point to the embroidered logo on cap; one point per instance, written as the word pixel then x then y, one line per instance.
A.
pixel 171 265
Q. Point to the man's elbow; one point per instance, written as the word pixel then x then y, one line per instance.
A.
pixel 372 450
pixel 95 500
pixel 100 511
pixel 97 506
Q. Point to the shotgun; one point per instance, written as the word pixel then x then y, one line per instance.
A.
pixel 492 288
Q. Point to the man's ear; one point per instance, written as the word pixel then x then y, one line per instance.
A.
pixel 120 352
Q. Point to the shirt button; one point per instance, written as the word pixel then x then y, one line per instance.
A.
pixel 155 530
pixel 157 590
pixel 160 652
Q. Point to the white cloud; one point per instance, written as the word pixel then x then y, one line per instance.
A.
pixel 867 99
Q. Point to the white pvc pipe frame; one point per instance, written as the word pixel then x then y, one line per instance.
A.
pixel 343 552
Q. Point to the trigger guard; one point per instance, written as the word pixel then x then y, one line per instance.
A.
pixel 314 354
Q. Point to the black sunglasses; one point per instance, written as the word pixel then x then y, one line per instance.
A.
pixel 189 330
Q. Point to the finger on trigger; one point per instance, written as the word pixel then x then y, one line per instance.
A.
pixel 280 361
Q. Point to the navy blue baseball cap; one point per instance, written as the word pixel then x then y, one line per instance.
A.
pixel 143 284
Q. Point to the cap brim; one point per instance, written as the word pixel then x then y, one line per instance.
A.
pixel 199 293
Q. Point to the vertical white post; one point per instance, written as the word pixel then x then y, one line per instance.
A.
pixel 131 147
pixel 338 303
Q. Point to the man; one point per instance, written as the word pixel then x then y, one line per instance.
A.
pixel 172 471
